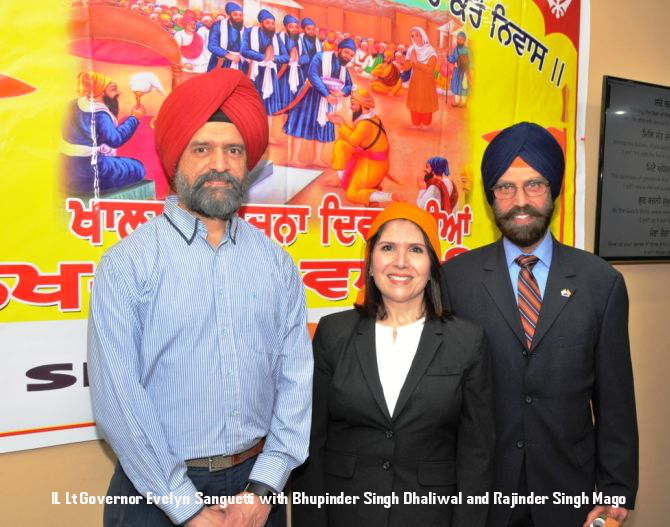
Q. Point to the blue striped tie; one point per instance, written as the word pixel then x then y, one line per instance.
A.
pixel 529 296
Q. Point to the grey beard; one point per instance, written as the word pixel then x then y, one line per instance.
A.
pixel 524 235
pixel 220 203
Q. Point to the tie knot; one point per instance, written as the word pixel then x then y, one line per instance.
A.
pixel 527 261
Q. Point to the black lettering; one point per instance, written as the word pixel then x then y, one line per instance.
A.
pixel 55 381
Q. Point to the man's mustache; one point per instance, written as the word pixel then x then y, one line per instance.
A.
pixel 526 209
pixel 213 175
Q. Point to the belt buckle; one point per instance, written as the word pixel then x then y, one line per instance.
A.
pixel 227 462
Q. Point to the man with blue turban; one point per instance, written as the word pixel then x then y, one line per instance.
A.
pixel 310 41
pixel 435 184
pixel 329 82
pixel 292 76
pixel 225 40
pixel 556 319
pixel 262 46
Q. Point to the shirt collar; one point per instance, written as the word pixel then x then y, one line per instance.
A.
pixel 188 225
pixel 543 251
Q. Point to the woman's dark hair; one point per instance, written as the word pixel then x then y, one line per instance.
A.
pixel 373 304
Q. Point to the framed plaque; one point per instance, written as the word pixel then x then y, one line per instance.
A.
pixel 633 206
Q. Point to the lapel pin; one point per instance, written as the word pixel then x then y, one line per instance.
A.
pixel 566 293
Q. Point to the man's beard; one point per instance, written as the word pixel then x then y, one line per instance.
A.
pixel 237 25
pixel 355 115
pixel 427 176
pixel 310 38
pixel 524 235
pixel 294 36
pixel 269 32
pixel 112 103
pixel 217 202
pixel 344 62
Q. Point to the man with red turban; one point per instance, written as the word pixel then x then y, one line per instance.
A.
pixel 199 356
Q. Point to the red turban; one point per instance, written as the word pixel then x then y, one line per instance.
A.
pixel 190 105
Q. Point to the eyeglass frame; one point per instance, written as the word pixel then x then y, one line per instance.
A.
pixel 542 183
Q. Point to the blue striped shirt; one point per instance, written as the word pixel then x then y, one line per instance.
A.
pixel 195 351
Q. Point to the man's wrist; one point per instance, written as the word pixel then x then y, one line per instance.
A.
pixel 259 489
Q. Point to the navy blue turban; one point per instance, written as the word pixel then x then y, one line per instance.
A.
pixel 307 22
pixel 264 14
pixel 289 18
pixel 439 166
pixel 532 143
pixel 347 43
pixel 231 7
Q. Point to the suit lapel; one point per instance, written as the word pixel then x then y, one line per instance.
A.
pixel 367 356
pixel 559 291
pixel 430 340
pixel 497 282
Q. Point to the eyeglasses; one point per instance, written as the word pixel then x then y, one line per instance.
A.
pixel 532 189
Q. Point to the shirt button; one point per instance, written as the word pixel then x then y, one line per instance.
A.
pixel 233 413
pixel 221 291
pixel 519 444
pixel 525 353
pixel 231 373
pixel 386 465
pixel 529 399
pixel 389 434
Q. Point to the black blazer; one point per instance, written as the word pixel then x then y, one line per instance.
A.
pixel 580 363
pixel 439 440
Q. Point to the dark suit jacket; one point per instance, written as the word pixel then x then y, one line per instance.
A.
pixel 580 363
pixel 439 440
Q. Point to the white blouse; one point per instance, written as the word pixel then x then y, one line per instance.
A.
pixel 395 358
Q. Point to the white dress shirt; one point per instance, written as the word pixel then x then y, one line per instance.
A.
pixel 394 358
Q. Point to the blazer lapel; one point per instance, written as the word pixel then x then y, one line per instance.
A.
pixel 430 340
pixel 367 356
pixel 559 291
pixel 497 282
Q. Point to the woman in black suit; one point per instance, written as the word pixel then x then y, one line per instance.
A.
pixel 402 413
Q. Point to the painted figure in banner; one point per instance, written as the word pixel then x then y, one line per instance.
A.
pixel 388 77
pixel 556 319
pixel 361 152
pixel 435 184
pixel 310 42
pixel 193 46
pixel 329 81
pixel 199 356
pixel 461 75
pixel 91 135
pixel 225 40
pixel 262 46
pixel 329 44
pixel 208 22
pixel 403 395
pixel 292 76
pixel 362 59
pixel 421 95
